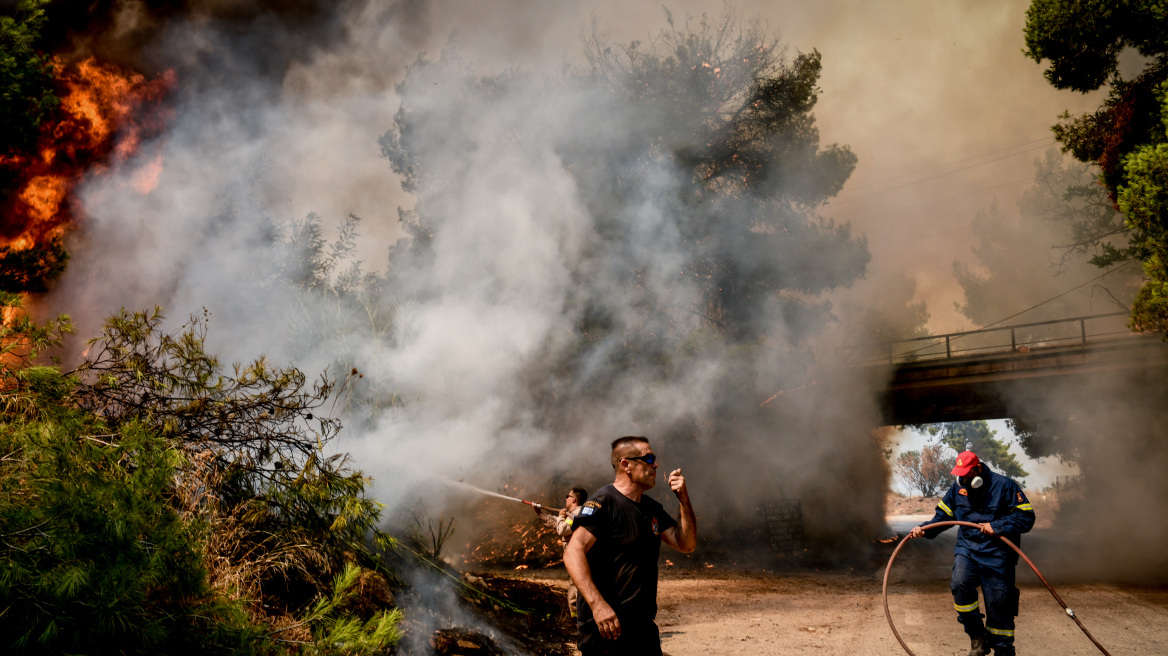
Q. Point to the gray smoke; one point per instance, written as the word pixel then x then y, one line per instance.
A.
pixel 479 347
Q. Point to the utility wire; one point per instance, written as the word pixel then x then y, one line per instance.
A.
pixel 1032 307
pixel 874 183
pixel 967 193
pixel 932 177
pixel 1053 298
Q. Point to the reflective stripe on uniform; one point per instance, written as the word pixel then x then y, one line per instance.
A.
pixel 1025 506
pixel 942 506
pixel 966 608
pixel 1002 632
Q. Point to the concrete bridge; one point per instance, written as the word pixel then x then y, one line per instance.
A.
pixel 976 374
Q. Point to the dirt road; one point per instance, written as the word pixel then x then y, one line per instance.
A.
pixel 750 613
pixel 841 613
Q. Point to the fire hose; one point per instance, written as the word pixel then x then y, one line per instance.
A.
pixel 1070 613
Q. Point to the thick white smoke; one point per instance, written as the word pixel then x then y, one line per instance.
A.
pixel 480 353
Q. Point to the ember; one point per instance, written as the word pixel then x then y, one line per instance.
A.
pixel 511 537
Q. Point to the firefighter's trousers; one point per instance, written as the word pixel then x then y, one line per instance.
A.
pixel 1001 602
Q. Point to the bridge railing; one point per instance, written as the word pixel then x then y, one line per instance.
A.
pixel 1076 331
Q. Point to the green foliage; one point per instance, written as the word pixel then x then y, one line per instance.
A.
pixel 283 512
pixel 129 526
pixel 1082 40
pixel 1143 199
pixel 254 416
pixel 96 559
pixel 336 632
pixel 22 339
pixel 1041 437
pixel 982 441
pixel 26 78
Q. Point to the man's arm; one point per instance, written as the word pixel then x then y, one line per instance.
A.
pixel 1021 516
pixel 564 524
pixel 684 536
pixel 546 517
pixel 576 561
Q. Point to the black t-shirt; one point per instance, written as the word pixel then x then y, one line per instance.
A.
pixel 623 561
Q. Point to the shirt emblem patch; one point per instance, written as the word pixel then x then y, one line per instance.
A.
pixel 963 492
pixel 592 504
pixel 587 510
pixel 655 526
pixel 1020 499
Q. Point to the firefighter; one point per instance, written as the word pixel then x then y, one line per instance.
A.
pixel 1000 508
pixel 562 523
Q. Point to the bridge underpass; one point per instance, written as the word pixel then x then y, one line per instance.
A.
pixel 979 374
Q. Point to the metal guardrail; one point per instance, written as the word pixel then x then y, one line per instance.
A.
pixel 1076 331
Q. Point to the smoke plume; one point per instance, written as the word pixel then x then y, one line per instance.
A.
pixel 552 276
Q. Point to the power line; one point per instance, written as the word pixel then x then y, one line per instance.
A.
pixel 1054 298
pixel 1043 141
pixel 1032 307
pixel 932 177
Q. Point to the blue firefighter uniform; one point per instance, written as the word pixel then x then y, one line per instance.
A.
pixel 981 559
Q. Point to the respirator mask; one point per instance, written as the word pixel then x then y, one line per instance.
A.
pixel 975 482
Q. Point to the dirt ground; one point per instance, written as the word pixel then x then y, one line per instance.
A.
pixel 739 611
pixel 754 613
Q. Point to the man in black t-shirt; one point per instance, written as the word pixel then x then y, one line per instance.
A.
pixel 612 557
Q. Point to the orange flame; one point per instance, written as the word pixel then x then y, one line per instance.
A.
pixel 105 114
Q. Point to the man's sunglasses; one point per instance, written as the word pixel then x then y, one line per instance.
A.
pixel 649 459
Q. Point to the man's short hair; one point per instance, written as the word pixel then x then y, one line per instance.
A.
pixel 580 494
pixel 622 447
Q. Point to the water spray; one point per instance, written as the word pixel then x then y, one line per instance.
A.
pixel 1070 613
pixel 468 486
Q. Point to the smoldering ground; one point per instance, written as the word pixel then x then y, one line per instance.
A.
pixel 563 281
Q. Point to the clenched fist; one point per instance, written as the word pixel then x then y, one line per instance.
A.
pixel 677 482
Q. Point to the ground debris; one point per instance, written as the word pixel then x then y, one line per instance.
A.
pixel 537 618
pixel 463 642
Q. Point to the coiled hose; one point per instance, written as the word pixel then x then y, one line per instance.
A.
pixel 1070 613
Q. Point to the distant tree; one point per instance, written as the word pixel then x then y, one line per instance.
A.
pixel 926 470
pixel 1030 257
pixel 982 441
pixel 1126 137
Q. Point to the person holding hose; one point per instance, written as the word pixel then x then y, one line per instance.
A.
pixel 612 556
pixel 1000 508
pixel 562 524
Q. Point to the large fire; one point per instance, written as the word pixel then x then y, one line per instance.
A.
pixel 105 114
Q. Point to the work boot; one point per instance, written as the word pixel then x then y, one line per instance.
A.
pixel 978 647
